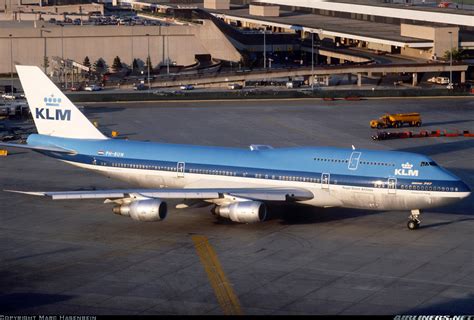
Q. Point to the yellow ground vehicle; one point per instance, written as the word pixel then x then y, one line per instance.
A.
pixel 396 120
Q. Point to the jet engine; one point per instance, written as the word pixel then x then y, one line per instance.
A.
pixel 143 210
pixel 244 212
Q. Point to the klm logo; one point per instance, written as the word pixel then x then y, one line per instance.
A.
pixel 50 113
pixel 406 170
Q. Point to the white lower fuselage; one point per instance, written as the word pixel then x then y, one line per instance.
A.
pixel 325 195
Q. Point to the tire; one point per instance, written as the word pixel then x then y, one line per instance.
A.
pixel 413 224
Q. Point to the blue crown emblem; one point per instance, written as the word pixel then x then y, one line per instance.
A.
pixel 52 101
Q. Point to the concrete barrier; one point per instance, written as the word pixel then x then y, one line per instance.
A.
pixel 257 94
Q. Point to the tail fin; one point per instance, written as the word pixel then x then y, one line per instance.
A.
pixel 54 114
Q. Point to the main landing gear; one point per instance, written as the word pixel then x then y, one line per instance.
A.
pixel 413 222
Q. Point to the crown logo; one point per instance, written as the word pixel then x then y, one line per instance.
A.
pixel 51 101
pixel 407 165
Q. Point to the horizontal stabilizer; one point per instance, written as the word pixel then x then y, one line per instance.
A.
pixel 38 148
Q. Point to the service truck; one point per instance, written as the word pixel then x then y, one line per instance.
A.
pixel 396 120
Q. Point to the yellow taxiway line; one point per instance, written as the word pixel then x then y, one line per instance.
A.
pixel 222 288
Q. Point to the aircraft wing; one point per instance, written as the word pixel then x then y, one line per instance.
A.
pixel 261 194
pixel 38 148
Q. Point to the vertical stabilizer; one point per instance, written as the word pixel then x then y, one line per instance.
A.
pixel 54 114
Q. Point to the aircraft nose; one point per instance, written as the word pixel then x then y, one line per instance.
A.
pixel 463 189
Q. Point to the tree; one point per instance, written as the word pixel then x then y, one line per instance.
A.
pixel 86 62
pixel 100 66
pixel 45 63
pixel 458 55
pixel 135 64
pixel 148 63
pixel 117 64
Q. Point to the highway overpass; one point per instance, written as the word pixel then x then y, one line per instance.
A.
pixel 310 74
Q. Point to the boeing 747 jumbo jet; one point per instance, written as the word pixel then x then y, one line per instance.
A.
pixel 237 182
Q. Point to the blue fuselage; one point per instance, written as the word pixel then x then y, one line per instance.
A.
pixel 329 168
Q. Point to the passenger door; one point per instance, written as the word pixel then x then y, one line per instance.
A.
pixel 325 178
pixel 354 160
pixel 180 169
pixel 392 185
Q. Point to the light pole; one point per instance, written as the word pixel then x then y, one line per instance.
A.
pixel 148 62
pixel 11 64
pixel 131 44
pixel 168 54
pixel 451 61
pixel 62 54
pixel 44 54
pixel 312 61
pixel 264 49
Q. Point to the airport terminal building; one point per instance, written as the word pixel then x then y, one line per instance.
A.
pixel 341 29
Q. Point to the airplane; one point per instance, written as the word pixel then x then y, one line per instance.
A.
pixel 239 183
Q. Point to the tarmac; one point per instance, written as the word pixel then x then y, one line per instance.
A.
pixel 76 257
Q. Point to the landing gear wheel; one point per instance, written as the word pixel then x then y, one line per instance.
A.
pixel 413 224
pixel 413 220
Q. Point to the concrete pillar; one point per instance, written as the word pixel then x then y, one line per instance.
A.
pixel 328 60
pixel 415 79
pixel 359 79
pixel 326 80
pixel 369 74
pixel 463 77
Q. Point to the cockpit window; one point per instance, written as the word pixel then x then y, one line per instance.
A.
pixel 427 164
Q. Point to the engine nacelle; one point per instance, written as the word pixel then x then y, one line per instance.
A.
pixel 244 212
pixel 143 210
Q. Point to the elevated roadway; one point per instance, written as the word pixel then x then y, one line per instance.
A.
pixel 308 72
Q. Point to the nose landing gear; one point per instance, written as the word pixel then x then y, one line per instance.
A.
pixel 413 222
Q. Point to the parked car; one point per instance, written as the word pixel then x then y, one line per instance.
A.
pixel 8 96
pixel 139 86
pixel 93 88
pixel 234 86
pixel 187 87
pixel 442 80
pixel 439 80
